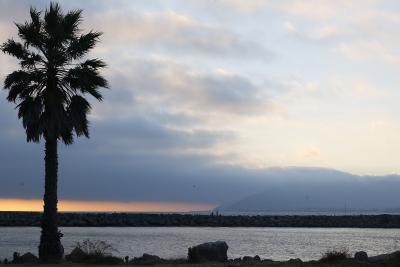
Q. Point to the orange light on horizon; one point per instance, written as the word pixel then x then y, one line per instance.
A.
pixel 14 204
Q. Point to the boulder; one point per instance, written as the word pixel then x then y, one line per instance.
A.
pixel 77 255
pixel 395 256
pixel 361 256
pixel 267 260
pixel 297 260
pixel 250 258
pixel 247 258
pixel 29 258
pixel 237 259
pixel 25 258
pixel 147 259
pixel 150 257
pixel 211 251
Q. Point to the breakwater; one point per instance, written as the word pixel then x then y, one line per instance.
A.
pixel 155 220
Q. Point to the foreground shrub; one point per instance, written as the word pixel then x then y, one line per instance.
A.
pixel 96 247
pixel 335 255
pixel 94 252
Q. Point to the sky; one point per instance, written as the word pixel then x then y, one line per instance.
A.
pixel 206 96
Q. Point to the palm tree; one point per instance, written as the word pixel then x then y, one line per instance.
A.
pixel 48 90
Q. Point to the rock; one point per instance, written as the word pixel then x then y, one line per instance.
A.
pixel 361 256
pixel 29 258
pixel 395 256
pixel 247 258
pixel 237 259
pixel 250 258
pixel 146 259
pixel 211 251
pixel 297 260
pixel 267 260
pixel 26 258
pixel 77 255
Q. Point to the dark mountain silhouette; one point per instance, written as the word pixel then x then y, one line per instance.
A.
pixel 321 190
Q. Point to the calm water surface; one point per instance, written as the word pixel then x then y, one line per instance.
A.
pixel 172 242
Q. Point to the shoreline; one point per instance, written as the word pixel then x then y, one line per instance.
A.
pixel 209 254
pixel 266 264
pixel 263 263
pixel 67 219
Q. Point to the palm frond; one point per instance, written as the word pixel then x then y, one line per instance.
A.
pixel 66 128
pixel 53 25
pixel 81 45
pixel 35 17
pixel 78 110
pixel 16 77
pixel 21 84
pixel 27 58
pixel 15 49
pixel 94 64
pixel 20 90
pixel 67 136
pixel 71 22
pixel 30 32
pixel 87 80
pixel 30 110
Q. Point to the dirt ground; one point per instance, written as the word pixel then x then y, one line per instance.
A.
pixel 347 263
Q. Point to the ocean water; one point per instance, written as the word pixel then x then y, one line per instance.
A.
pixel 173 242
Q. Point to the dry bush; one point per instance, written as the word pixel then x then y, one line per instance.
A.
pixel 96 247
pixel 335 255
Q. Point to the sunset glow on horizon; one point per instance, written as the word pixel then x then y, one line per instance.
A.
pixel 11 204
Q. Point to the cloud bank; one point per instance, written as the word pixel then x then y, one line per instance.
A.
pixel 206 96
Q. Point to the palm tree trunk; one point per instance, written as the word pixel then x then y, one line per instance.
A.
pixel 50 248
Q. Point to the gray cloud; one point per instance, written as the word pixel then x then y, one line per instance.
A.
pixel 170 32
pixel 99 169
pixel 170 86
pixel 148 139
pixel 150 136
pixel 128 160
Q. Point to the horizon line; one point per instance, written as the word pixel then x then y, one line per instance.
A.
pixel 68 205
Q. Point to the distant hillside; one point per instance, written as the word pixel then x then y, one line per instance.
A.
pixel 318 190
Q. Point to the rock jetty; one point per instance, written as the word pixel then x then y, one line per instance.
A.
pixel 135 219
